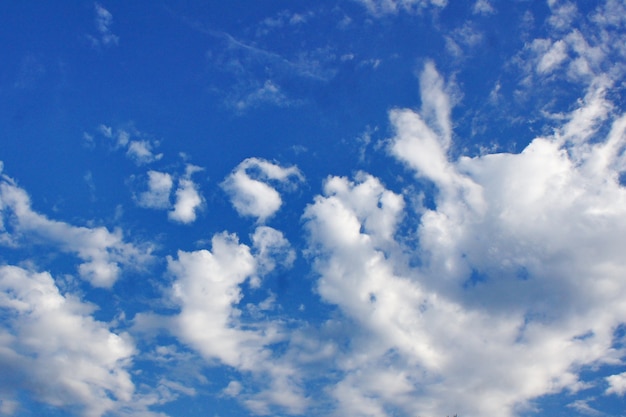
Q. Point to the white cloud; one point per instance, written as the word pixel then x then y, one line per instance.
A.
pixel 282 19
pixel 271 247
pixel 248 189
pixel 483 7
pixel 207 289
pixel 380 7
pixel 232 389
pixel 188 198
pixel 520 277
pixel 52 347
pixel 611 13
pixel 101 251
pixel 139 148
pixel 188 201
pixel 141 152
pixel 104 20
pixel 552 57
pixel 563 14
pixel 159 188
pixel 617 384
pixel 269 92
pixel 577 50
pixel 583 407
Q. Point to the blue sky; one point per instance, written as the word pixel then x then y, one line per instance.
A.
pixel 350 207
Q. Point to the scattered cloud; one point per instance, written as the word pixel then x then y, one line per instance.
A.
pixel 381 7
pixel 552 56
pixel 249 191
pixel 519 260
pixel 102 252
pixel 483 7
pixel 463 39
pixel 158 194
pixel 502 287
pixel 186 195
pixel 78 365
pixel 572 49
pixel 271 247
pixel 583 407
pixel 563 14
pixel 282 19
pixel 104 20
pixel 256 73
pixel 207 288
pixel 617 384
pixel 188 198
pixel 268 93
pixel 139 147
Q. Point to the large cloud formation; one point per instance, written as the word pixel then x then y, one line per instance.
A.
pixel 504 287
pixel 520 259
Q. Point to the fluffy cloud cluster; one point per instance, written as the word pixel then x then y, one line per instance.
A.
pixel 52 347
pixel 208 290
pixel 102 252
pixel 502 289
pixel 248 187
pixel 138 148
pixel 579 48
pixel 187 196
pixel 520 264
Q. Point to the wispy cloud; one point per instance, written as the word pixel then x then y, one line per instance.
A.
pixel 102 252
pixel 483 7
pixel 104 20
pixel 139 146
pixel 381 7
pixel 268 93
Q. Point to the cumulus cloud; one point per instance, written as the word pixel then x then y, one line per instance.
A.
pixel 617 384
pixel 249 191
pixel 102 252
pixel 188 198
pixel 158 194
pixel 573 50
pixel 519 279
pixel 271 247
pixel 51 347
pixel 207 289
